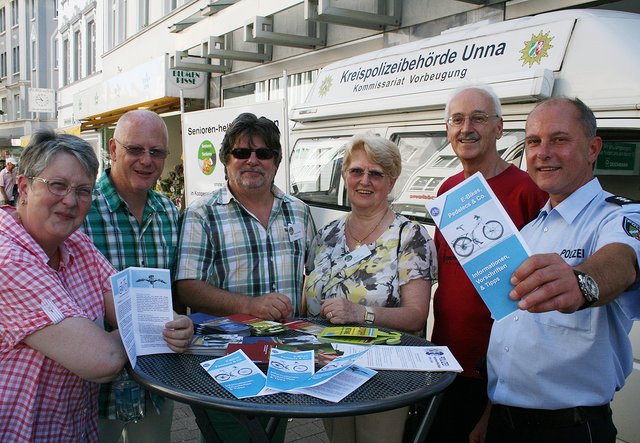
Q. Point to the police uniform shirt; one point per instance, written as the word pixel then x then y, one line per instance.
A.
pixel 553 360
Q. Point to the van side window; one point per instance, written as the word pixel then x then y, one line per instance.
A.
pixel 315 170
pixel 618 165
pixel 425 178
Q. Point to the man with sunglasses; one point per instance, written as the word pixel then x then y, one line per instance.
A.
pixel 462 321
pixel 243 247
pixel 133 225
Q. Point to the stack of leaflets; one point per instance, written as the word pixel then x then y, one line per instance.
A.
pixel 259 326
pixel 359 335
pixel 212 344
pixel 204 324
pixel 304 326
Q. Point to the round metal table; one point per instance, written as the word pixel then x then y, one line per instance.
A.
pixel 180 377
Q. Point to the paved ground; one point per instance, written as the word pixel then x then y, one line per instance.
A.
pixel 185 430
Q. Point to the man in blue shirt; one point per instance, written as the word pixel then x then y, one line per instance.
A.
pixel 555 364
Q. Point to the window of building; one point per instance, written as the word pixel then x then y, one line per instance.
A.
pixel 15 59
pixel 34 53
pixel 91 47
pixel 298 88
pixel 3 20
pixel 3 64
pixel 77 55
pixel 3 104
pixel 143 13
pixel 17 107
pixel 55 52
pixel 14 12
pixel 66 60
pixel 32 9
pixel 55 8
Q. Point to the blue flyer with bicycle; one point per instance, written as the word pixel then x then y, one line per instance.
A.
pixel 484 239
pixel 237 374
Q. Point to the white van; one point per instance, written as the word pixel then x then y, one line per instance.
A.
pixel 400 93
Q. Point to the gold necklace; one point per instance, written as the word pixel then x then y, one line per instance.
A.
pixel 359 242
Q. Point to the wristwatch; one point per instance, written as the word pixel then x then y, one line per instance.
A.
pixel 369 315
pixel 588 287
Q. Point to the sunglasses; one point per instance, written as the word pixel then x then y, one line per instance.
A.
pixel 245 153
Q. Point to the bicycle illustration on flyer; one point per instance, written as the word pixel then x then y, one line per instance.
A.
pixel 484 239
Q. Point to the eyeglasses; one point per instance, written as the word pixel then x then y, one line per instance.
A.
pixel 61 188
pixel 359 173
pixel 477 118
pixel 138 151
pixel 261 153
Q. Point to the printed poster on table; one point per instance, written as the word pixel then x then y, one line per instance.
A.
pixel 484 239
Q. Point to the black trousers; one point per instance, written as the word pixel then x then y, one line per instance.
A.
pixel 461 408
pixel 547 428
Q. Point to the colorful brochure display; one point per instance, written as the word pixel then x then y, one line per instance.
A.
pixel 142 298
pixel 484 239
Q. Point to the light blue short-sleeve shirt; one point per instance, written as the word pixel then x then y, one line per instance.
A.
pixel 553 360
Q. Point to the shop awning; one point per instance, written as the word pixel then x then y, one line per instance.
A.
pixel 159 106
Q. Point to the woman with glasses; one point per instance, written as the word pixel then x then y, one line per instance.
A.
pixel 55 294
pixel 371 266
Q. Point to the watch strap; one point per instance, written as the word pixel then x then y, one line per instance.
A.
pixel 589 299
pixel 369 315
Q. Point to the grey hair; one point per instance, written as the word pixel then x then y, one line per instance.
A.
pixel 585 114
pixel 486 89
pixel 378 149
pixel 45 145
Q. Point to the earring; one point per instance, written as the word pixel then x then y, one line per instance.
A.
pixel 23 202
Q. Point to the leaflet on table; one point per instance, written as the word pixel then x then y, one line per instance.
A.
pixel 484 239
pixel 404 358
pixel 237 374
pixel 287 372
pixel 339 387
pixel 143 305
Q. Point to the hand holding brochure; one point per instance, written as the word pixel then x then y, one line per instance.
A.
pixel 142 298
pixel 484 239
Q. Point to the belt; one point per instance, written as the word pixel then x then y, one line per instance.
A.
pixel 523 417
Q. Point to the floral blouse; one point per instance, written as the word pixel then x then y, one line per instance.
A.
pixel 404 252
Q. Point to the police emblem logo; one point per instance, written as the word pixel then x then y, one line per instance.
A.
pixel 631 228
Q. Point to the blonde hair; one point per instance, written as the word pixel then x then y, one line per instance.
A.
pixel 378 149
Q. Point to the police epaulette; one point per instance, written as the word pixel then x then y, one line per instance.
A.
pixel 619 200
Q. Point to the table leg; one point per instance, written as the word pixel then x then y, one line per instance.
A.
pixel 204 424
pixel 427 418
pixel 258 432
pixel 252 424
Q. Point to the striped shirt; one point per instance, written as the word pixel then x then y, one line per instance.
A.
pixel 117 234
pixel 222 243
pixel 40 400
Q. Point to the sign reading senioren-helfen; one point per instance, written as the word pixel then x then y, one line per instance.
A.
pixel 484 239
pixel 42 100
pixel 202 134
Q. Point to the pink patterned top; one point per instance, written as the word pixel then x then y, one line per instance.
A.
pixel 40 400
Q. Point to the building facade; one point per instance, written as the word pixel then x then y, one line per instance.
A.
pixel 27 96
